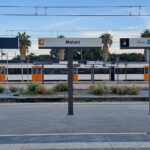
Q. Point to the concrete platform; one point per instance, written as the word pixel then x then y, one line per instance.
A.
pixel 97 126
pixel 79 146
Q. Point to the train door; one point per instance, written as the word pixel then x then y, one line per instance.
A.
pixel 146 75
pixel 2 74
pixel 36 73
pixel 75 74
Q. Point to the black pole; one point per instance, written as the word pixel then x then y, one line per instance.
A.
pixel 42 73
pixel 92 74
pixel 117 60
pixel 148 50
pixel 70 81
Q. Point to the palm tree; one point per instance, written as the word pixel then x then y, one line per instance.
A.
pixel 61 51
pixel 24 44
pixel 107 42
pixel 146 34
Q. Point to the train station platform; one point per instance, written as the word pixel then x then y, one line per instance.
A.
pixel 94 126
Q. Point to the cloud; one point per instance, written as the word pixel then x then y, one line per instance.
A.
pixel 66 22
pixel 146 19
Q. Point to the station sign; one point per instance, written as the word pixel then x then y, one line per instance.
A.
pixel 134 43
pixel 46 43
pixel 9 43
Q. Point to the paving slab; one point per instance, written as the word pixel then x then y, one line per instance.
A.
pixel 79 146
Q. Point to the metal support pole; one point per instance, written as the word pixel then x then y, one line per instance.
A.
pixel 149 79
pixel 28 66
pixel 70 82
pixel 92 74
pixel 117 70
pixel 81 55
pixel 42 73
pixel 125 71
pixel 22 71
pixel 7 67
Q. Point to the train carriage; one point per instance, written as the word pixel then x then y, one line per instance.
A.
pixel 58 72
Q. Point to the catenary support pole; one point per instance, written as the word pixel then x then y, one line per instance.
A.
pixel 70 81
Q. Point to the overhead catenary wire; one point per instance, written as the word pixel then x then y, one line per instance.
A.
pixel 45 11
pixel 77 15
pixel 70 30
pixel 73 6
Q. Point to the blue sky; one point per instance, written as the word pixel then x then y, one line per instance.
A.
pixel 54 26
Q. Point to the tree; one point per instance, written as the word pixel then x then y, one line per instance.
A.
pixel 24 44
pixel 92 54
pixel 107 42
pixel 61 51
pixel 131 57
pixel 54 54
pixel 146 34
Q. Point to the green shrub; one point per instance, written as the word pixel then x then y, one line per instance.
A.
pixel 50 91
pixel 2 89
pixel 32 86
pixel 13 89
pixel 21 89
pixel 91 87
pixel 41 89
pixel 134 90
pixel 61 87
pixel 114 89
pixel 98 89
pixel 122 90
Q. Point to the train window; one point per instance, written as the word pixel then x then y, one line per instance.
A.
pixel 135 70
pixel 47 70
pixel 101 70
pixel 80 71
pixel 27 71
pixel 96 70
pixel 14 71
pixel 63 71
pixel 130 70
pixel 36 70
pixel 33 70
pixel 84 70
pixel 121 71
pixel 55 71
pixel 104 71
pixel 146 70
pixel 2 70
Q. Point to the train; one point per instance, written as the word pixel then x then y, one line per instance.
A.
pixel 16 72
